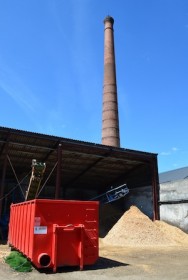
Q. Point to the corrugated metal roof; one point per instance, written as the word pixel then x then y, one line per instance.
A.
pixel 37 135
pixel 173 175
pixel 84 164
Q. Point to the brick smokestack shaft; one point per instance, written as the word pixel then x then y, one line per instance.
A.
pixel 110 119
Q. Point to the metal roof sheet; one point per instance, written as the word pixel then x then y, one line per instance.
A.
pixel 173 175
pixel 83 164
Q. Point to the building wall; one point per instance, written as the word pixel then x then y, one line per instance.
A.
pixel 141 198
pixel 177 213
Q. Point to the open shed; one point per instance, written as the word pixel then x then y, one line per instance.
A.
pixel 77 170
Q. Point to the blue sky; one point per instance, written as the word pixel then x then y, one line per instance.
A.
pixel 51 71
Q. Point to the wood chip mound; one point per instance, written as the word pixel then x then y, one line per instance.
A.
pixel 136 229
pixel 4 252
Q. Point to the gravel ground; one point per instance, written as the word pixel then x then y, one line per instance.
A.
pixel 117 263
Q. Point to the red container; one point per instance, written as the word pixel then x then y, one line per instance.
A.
pixel 55 233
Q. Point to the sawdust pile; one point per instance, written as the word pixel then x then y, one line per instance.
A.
pixel 4 252
pixel 135 229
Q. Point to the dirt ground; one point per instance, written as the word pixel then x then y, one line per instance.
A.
pixel 116 263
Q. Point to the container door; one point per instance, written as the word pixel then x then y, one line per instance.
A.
pixel 68 246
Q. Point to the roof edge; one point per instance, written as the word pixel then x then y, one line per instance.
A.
pixel 73 141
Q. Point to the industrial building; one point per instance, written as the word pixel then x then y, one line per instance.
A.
pixel 80 170
pixel 174 197
pixel 77 170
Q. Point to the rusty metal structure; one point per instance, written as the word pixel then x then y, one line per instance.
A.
pixel 38 169
pixel 110 119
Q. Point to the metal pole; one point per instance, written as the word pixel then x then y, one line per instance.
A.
pixel 155 184
pixel 58 174
pixel 2 187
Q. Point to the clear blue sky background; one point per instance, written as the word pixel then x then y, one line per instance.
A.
pixel 51 71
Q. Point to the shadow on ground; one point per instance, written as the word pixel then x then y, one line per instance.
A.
pixel 102 263
pixel 3 242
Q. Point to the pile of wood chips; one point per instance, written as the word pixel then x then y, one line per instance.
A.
pixel 4 252
pixel 135 229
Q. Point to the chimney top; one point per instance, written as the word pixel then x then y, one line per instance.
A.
pixel 109 18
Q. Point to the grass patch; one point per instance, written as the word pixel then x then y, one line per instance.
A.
pixel 18 262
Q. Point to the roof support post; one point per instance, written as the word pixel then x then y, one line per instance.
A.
pixel 155 185
pixel 2 186
pixel 58 174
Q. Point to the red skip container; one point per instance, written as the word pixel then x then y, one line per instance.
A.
pixel 55 233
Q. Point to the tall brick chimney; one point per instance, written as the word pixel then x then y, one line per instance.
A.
pixel 110 119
